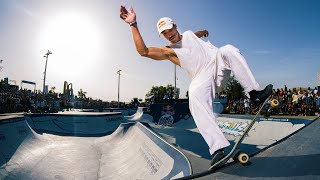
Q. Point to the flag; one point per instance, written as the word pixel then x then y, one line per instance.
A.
pixel 28 82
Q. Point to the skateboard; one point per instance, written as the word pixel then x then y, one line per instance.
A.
pixel 235 153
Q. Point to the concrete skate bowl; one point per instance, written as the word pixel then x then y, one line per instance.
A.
pixel 76 123
pixel 132 151
pixel 264 133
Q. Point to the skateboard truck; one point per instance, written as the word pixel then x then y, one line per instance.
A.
pixel 269 106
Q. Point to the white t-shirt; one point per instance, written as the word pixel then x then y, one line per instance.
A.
pixel 195 55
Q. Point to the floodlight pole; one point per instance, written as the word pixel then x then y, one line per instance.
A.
pixel 45 70
pixel 118 72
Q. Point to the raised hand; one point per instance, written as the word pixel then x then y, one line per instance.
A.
pixel 203 33
pixel 127 16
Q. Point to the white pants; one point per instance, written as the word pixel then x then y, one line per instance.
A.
pixel 204 86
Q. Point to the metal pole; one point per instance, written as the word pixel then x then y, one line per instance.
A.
pixel 118 72
pixel 45 70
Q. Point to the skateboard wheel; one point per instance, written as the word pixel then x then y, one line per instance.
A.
pixel 243 158
pixel 274 103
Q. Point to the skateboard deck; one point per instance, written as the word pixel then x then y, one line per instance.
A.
pixel 236 153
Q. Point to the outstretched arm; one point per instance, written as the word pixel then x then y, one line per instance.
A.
pixel 163 53
pixel 203 33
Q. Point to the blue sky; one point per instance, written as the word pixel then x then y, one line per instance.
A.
pixel 89 42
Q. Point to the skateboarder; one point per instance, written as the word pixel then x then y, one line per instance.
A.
pixel 208 66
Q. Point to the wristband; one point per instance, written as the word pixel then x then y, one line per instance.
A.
pixel 133 22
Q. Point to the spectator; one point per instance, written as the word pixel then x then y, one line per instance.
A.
pixel 247 105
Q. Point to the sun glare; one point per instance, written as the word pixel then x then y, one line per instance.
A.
pixel 74 40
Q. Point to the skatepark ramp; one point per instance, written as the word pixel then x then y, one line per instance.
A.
pixel 137 115
pixel 295 157
pixel 132 151
pixel 140 116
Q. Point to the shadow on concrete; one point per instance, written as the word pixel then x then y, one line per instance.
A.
pixel 286 166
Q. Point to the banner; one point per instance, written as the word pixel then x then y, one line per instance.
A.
pixel 28 82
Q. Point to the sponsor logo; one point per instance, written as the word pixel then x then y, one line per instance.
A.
pixel 153 163
pixel 114 119
pixel 234 128
pixel 167 116
pixel 275 119
pixel 161 23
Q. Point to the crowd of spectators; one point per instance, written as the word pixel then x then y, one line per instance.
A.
pixel 295 101
pixel 13 100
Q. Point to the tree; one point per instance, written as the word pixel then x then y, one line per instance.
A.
pixel 2 85
pixel 83 98
pixel 233 89
pixel 82 94
pixel 161 92
pixel 52 90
